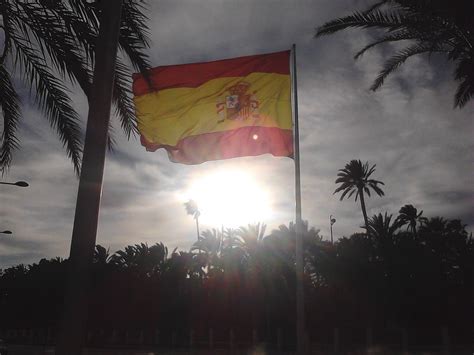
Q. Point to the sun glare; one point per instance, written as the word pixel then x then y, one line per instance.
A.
pixel 230 199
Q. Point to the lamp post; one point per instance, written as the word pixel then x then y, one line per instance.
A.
pixel 18 183
pixel 332 220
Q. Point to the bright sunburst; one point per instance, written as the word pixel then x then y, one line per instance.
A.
pixel 230 198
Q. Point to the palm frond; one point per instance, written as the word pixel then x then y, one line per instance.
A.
pixel 464 92
pixel 81 20
pixel 397 60
pixel 464 73
pixel 436 26
pixel 370 171
pixel 377 189
pixel 357 194
pixel 134 36
pixel 345 184
pixel 352 193
pixel 122 99
pixel 87 11
pixel 54 41
pixel 6 28
pixel 391 37
pixel 347 190
pixel 402 34
pixel 367 191
pixel 375 182
pixel 342 177
pixel 10 107
pixel 376 18
pixel 52 99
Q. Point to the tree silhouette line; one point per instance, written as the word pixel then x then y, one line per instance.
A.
pixel 391 276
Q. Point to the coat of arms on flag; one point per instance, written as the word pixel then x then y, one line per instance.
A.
pixel 239 104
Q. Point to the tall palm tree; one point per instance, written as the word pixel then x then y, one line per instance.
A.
pixel 192 209
pixel 355 178
pixel 410 216
pixel 426 26
pixel 52 43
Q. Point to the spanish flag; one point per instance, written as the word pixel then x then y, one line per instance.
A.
pixel 217 110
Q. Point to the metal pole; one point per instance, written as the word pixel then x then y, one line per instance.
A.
pixel 300 322
pixel 73 325
pixel 197 223
pixel 330 223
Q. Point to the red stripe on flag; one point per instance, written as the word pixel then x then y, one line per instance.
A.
pixel 196 74
pixel 245 141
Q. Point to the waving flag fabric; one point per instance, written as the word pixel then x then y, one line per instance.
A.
pixel 217 110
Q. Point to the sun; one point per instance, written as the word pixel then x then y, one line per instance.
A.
pixel 230 198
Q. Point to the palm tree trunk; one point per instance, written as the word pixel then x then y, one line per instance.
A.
pixel 197 231
pixel 197 227
pixel 364 212
pixel 74 321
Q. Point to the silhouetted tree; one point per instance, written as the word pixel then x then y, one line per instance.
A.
pixel 184 265
pixel 101 255
pixel 428 26
pixel 192 209
pixel 250 241
pixel 354 178
pixel 381 227
pixel 209 241
pixel 209 245
pixel 281 245
pixel 385 277
pixel 410 216
pixel 142 259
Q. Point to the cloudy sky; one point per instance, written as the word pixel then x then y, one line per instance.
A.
pixel 422 147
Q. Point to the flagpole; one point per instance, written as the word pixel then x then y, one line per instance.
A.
pixel 300 322
pixel 72 328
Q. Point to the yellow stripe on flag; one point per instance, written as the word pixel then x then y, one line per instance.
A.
pixel 169 115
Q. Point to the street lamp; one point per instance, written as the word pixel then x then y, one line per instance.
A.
pixel 332 220
pixel 18 183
